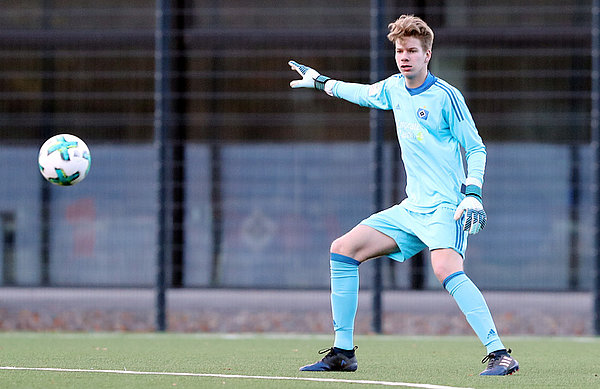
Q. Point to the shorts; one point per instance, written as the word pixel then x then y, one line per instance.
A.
pixel 415 231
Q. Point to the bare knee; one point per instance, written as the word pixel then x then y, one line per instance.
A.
pixel 445 262
pixel 342 246
pixel 441 272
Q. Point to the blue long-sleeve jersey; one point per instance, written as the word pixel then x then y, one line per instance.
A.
pixel 432 122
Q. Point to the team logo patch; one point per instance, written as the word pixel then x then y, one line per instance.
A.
pixel 422 113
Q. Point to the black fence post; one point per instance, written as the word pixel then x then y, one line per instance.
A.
pixel 162 119
pixel 595 130
pixel 376 125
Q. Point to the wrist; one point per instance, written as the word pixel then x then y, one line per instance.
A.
pixel 474 191
pixel 320 82
pixel 472 188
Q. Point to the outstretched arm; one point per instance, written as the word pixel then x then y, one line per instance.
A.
pixel 372 96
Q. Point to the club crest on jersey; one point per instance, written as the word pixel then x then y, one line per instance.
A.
pixel 422 113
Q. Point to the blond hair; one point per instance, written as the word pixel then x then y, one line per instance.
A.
pixel 411 26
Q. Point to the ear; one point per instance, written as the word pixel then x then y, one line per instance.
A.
pixel 427 56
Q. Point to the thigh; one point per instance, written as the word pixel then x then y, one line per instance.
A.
pixel 364 242
pixel 399 224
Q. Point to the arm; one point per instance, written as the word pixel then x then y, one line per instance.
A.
pixel 463 128
pixel 373 96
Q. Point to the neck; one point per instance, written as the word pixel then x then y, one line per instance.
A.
pixel 416 81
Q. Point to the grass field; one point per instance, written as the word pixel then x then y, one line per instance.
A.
pixel 124 360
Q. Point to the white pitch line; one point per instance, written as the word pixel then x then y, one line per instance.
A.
pixel 256 377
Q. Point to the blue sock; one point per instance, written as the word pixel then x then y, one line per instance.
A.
pixel 473 305
pixel 344 299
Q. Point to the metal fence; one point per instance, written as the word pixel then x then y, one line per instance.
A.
pixel 281 206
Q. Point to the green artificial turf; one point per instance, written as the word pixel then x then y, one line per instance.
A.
pixel 439 361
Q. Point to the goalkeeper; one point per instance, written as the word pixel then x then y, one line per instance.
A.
pixel 443 205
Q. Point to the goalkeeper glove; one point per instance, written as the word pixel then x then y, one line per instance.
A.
pixel 472 207
pixel 310 77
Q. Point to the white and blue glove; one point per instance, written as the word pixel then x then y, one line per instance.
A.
pixel 310 77
pixel 472 207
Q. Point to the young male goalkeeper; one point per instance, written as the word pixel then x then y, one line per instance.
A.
pixel 443 205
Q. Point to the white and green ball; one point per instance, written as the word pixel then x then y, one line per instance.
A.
pixel 64 159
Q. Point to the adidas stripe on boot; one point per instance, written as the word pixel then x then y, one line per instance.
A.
pixel 500 363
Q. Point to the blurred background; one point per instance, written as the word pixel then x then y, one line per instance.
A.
pixel 262 177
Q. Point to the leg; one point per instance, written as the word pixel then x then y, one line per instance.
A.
pixel 347 252
pixel 448 268
pixel 448 243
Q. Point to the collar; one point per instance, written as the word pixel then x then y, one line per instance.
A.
pixel 429 81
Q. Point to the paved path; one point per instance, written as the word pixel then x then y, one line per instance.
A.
pixel 283 300
pixel 240 309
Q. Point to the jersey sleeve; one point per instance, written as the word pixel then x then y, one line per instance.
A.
pixel 372 96
pixel 464 130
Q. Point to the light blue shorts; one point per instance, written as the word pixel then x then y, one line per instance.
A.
pixel 415 231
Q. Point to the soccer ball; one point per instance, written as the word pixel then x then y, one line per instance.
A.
pixel 64 160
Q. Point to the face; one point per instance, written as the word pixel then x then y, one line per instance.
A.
pixel 412 60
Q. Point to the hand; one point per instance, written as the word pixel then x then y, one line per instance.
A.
pixel 310 77
pixel 474 218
